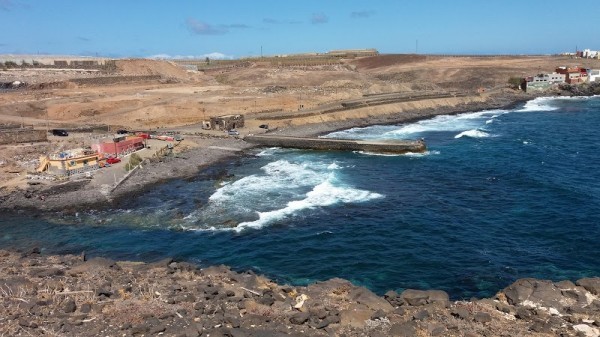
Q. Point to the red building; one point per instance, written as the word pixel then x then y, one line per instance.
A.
pixel 119 146
pixel 573 75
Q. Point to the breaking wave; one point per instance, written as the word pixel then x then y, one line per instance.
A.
pixel 473 134
pixel 442 123
pixel 256 200
pixel 539 104
pixel 322 195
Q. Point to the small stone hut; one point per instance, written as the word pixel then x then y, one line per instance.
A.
pixel 227 122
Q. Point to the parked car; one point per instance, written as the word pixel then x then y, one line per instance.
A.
pixel 122 132
pixel 264 126
pixel 113 160
pixel 178 138
pixel 60 132
pixel 233 133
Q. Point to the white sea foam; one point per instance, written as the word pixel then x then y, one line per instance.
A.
pixel 441 123
pixel 421 154
pixel 538 104
pixel 294 185
pixel 407 154
pixel 279 174
pixel 378 154
pixel 268 152
pixel 447 123
pixel 324 194
pixel 473 134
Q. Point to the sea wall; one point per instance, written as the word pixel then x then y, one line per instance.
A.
pixel 337 144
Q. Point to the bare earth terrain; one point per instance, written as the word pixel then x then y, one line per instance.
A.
pixel 68 296
pixel 151 95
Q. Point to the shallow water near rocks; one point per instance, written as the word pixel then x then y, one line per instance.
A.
pixel 499 195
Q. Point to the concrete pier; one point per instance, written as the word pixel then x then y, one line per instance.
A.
pixel 391 146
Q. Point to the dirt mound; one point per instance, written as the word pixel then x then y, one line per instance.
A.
pixel 140 67
pixel 387 60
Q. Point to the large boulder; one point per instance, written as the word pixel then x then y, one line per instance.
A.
pixel 414 297
pixel 590 284
pixel 94 265
pixel 535 293
pixel 355 316
pixel 555 298
pixel 371 300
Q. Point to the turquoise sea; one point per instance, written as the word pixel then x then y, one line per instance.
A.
pixel 499 195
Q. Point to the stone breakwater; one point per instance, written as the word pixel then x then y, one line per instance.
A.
pixel 395 146
pixel 74 296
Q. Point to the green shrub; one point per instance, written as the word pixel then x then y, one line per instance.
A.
pixel 515 82
pixel 134 160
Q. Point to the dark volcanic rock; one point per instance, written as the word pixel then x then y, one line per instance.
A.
pixel 482 317
pixel 539 292
pixel 420 297
pixel 371 300
pixel 299 318
pixel 47 272
pixel 421 315
pixel 27 323
pixel 461 313
pixel 590 284
pixel 541 327
pixel 69 306
pixel 408 329
pixel 169 301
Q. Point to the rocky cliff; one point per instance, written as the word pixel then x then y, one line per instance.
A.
pixel 74 296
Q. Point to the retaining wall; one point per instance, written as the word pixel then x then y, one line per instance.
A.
pixel 13 136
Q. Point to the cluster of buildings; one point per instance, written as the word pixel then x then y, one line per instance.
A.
pixel 81 161
pixel 586 54
pixel 570 75
pixel 590 54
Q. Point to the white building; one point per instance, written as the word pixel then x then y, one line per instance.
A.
pixel 593 75
pixel 591 54
pixel 550 78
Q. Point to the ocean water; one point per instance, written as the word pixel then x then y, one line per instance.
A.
pixel 499 195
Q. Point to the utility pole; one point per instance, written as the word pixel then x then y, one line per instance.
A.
pixel 417 46
pixel 261 54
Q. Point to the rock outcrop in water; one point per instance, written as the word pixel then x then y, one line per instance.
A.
pixel 71 296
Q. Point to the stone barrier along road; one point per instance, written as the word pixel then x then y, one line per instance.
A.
pixel 397 146
pixel 13 136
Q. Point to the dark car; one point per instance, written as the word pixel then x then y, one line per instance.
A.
pixel 263 126
pixel 59 132
pixel 122 132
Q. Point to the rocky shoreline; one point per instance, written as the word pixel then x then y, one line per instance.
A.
pixel 71 295
pixel 74 196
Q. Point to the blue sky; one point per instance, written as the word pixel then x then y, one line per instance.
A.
pixel 236 28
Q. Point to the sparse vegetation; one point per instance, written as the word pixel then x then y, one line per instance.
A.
pixel 515 82
pixel 134 161
pixel 221 78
